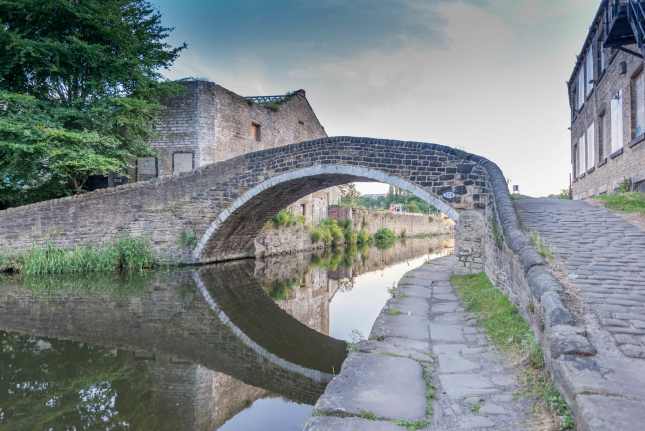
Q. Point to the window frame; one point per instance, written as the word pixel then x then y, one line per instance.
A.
pixel 256 131
pixel 192 154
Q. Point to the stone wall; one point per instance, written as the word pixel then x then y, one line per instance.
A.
pixel 512 263
pixel 285 240
pixel 400 224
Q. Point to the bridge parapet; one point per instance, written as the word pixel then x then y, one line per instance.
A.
pixel 226 204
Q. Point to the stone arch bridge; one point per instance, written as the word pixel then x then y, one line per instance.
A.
pixel 226 204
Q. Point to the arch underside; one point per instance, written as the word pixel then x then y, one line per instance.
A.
pixel 232 235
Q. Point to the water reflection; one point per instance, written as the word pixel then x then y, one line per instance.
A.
pixel 188 349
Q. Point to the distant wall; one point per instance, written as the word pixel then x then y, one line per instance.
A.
pixel 285 240
pixel 408 224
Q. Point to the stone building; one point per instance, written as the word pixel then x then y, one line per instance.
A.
pixel 207 123
pixel 607 99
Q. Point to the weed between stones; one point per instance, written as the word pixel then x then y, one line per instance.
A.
pixel 511 333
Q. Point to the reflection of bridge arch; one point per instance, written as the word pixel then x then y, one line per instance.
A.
pixel 226 203
pixel 170 318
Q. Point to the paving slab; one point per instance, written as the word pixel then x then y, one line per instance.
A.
pixel 384 376
pixel 387 386
pixel 330 423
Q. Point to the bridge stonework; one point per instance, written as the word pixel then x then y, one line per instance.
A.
pixel 226 204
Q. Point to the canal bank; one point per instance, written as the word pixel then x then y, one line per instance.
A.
pixel 427 365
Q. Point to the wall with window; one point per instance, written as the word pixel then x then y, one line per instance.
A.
pixel 607 93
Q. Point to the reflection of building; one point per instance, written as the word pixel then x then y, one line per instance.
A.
pixel 607 99
pixel 207 123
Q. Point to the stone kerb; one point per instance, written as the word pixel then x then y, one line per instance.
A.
pixel 531 285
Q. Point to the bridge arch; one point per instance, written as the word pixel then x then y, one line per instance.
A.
pixel 337 173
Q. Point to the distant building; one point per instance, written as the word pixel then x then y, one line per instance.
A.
pixel 208 123
pixel 607 98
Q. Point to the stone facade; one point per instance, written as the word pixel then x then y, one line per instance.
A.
pixel 607 94
pixel 226 204
pixel 207 123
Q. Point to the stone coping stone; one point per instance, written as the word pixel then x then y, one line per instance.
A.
pixel 386 386
pixel 330 423
pixel 599 412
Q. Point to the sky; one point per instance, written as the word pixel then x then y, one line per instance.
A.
pixel 485 76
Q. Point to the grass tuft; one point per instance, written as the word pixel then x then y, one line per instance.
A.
pixel 542 248
pixel 512 334
pixel 629 202
pixel 125 255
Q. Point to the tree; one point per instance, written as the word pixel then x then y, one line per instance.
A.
pixel 80 89
pixel 349 195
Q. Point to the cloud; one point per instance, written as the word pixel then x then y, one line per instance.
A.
pixel 486 76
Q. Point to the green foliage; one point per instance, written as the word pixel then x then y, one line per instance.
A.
pixel 498 236
pixel 412 203
pixel 625 186
pixel 363 237
pixel 80 91
pixel 629 202
pixel 329 232
pixel 187 239
pixel 280 289
pixel 384 238
pixel 565 194
pixel 512 334
pixel 542 248
pixel 125 255
pixel 285 218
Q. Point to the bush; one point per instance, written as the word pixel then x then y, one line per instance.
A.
pixel 384 238
pixel 285 218
pixel 363 237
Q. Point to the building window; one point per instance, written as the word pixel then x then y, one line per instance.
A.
pixel 303 208
pixel 256 132
pixel 638 105
pixel 147 168
pixel 581 88
pixel 601 137
pixel 591 143
pixel 617 121
pixel 182 162
pixel 601 59
pixel 589 72
pixel 581 156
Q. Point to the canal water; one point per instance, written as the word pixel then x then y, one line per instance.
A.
pixel 246 345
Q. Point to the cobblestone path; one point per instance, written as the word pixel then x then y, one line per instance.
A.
pixel 424 337
pixel 603 257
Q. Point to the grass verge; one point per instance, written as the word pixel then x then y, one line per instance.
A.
pixel 123 255
pixel 629 202
pixel 512 334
